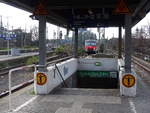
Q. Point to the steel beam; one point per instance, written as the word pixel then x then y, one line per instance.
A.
pixel 120 43
pixel 67 32
pixel 57 17
pixel 83 7
pixel 75 54
pixel 18 4
pixel 128 47
pixel 42 42
pixel 139 7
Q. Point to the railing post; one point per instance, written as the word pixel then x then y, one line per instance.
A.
pixel 75 54
pixel 120 43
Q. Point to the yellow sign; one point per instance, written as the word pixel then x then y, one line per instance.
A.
pixel 128 80
pixel 40 10
pixel 122 8
pixel 41 78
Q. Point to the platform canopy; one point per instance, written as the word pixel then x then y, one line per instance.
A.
pixel 87 13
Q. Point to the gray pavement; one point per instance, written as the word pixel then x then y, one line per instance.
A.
pixel 18 98
pixel 80 101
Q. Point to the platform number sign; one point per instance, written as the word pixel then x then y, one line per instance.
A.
pixel 128 80
pixel 41 78
pixel 8 36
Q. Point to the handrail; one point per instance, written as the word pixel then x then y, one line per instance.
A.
pixel 61 76
pixel 53 62
pixel 35 69
pixel 9 81
pixel 57 61
pixel 40 66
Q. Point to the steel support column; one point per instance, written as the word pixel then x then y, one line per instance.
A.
pixel 128 47
pixel 120 43
pixel 67 32
pixel 76 44
pixel 42 42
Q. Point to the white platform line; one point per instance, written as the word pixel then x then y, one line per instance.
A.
pixel 25 104
pixel 132 105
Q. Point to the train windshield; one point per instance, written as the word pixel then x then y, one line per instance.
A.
pixel 90 43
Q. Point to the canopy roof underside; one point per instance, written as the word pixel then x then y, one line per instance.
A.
pixel 85 13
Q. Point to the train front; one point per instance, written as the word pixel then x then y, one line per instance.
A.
pixel 90 46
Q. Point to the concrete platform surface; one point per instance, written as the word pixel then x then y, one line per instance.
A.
pixel 76 100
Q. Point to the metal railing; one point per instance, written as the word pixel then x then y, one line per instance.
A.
pixel 10 82
pixel 35 69
pixel 57 61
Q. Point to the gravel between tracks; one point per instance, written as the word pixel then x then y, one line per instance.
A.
pixel 18 77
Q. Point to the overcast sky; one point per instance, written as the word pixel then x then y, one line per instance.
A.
pixel 19 18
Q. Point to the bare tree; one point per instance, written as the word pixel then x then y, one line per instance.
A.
pixel 35 33
pixel 146 29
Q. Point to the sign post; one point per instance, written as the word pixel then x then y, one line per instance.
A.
pixel 128 84
pixel 40 82
pixel 9 37
pixel 8 46
pixel 128 80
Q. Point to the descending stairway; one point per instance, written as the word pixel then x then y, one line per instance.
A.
pixel 105 83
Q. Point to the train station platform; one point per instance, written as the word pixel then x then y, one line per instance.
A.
pixel 126 99
pixel 10 57
pixel 79 100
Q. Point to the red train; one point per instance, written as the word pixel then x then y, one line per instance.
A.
pixel 91 46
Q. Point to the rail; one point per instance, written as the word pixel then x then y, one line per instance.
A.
pixel 146 63
pixel 4 71
pixel 142 66
pixel 57 61
pixel 53 62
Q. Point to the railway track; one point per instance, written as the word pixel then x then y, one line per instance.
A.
pixel 5 71
pixel 141 63
pixel 24 84
pixel 142 68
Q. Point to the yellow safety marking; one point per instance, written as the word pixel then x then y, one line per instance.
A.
pixel 128 80
pixel 41 10
pixel 41 78
pixel 122 8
